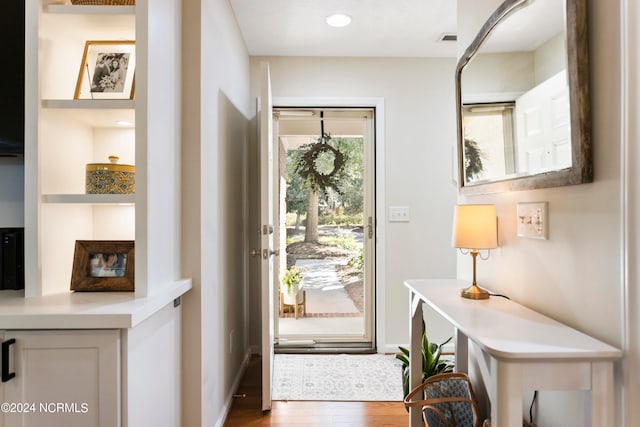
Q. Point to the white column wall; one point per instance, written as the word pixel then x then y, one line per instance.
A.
pixel 216 111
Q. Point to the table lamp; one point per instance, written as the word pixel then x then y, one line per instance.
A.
pixel 475 227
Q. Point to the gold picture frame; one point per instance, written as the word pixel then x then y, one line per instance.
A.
pixel 107 70
pixel 103 265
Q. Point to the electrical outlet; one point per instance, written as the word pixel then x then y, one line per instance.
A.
pixel 398 213
pixel 533 220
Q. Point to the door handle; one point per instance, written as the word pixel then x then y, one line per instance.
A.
pixel 266 253
pixel 370 227
pixel 255 252
pixel 6 375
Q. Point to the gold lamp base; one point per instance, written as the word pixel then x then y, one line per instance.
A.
pixel 474 292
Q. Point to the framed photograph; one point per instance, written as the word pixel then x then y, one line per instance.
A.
pixel 107 70
pixel 103 265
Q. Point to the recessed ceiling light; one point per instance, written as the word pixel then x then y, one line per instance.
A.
pixel 339 20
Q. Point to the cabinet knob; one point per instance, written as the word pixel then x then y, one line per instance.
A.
pixel 6 375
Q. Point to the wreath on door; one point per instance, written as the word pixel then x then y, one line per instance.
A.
pixel 320 165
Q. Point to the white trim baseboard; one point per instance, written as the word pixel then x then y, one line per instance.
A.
pixel 236 383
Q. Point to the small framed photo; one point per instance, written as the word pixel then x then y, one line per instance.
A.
pixel 107 70
pixel 103 265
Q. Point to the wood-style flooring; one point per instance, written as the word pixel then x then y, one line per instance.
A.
pixel 247 411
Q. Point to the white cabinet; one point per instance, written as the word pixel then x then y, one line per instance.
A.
pixel 121 357
pixel 62 378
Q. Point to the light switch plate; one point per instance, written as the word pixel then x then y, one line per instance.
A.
pixel 533 220
pixel 398 213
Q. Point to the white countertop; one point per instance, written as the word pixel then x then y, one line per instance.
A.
pixel 86 310
pixel 506 329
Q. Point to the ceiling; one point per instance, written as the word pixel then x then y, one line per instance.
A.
pixel 387 28
pixel 526 29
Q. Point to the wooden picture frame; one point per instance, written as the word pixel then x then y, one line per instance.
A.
pixel 103 265
pixel 107 70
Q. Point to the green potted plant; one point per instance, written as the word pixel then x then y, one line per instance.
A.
pixel 290 284
pixel 431 363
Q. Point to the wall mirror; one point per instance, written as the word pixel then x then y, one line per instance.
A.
pixel 522 90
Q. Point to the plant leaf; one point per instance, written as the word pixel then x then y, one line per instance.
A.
pixel 431 363
pixel 403 359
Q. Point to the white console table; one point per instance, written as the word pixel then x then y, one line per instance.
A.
pixel 517 350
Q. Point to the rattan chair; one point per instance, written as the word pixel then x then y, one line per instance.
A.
pixel 447 400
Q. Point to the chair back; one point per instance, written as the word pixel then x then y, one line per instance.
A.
pixel 447 401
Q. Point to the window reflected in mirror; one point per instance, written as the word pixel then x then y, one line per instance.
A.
pixel 489 144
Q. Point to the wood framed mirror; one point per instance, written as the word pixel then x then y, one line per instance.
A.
pixel 522 96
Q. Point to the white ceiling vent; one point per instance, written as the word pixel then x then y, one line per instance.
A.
pixel 448 37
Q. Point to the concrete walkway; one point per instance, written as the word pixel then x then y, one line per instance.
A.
pixel 325 292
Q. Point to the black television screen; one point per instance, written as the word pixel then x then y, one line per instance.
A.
pixel 12 78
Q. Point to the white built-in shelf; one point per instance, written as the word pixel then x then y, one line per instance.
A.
pixel 90 9
pixel 102 113
pixel 84 104
pixel 90 199
pixel 87 310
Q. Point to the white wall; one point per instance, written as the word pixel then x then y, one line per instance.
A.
pixel 575 276
pixel 152 388
pixel 162 128
pixel 419 137
pixel 215 123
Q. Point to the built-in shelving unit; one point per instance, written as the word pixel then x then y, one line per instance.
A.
pixel 72 133
pixel 63 135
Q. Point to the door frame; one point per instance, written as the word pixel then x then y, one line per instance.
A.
pixel 379 334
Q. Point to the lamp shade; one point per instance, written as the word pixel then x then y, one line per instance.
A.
pixel 475 227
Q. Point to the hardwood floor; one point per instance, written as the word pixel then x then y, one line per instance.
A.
pixel 246 411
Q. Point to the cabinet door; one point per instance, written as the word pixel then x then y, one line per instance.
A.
pixel 63 378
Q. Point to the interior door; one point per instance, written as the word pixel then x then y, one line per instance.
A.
pixel 268 230
pixel 544 126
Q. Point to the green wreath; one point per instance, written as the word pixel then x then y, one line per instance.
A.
pixel 307 166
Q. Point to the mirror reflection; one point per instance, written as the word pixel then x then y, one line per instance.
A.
pixel 515 112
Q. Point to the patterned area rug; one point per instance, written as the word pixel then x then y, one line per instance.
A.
pixel 371 377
